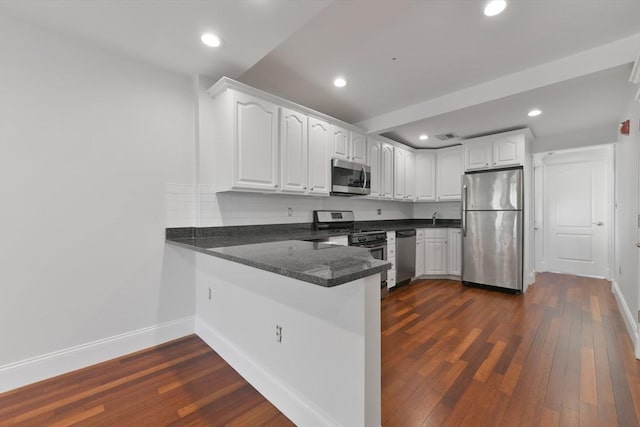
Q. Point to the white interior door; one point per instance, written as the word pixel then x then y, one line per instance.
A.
pixel 577 206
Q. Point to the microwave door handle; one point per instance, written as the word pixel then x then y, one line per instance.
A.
pixel 364 184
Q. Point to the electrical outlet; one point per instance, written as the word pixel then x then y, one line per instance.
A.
pixel 279 333
pixel 209 294
pixel 290 211
pixel 380 213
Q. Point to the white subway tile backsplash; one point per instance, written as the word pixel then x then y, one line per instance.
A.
pixel 188 205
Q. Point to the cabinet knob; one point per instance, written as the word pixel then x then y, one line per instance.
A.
pixel 312 188
pixel 304 188
pixel 275 186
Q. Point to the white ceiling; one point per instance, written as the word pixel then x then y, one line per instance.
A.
pixel 167 33
pixel 593 100
pixel 444 49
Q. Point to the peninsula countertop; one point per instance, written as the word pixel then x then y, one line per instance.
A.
pixel 293 250
pixel 318 263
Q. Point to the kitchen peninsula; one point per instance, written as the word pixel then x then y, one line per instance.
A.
pixel 299 320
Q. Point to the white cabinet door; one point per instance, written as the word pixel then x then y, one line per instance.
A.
pixel 358 148
pixel 256 143
pixel 319 159
pixel 478 155
pixel 420 257
pixel 341 142
pixel 454 243
pixel 508 151
pixel 387 175
pixel 449 173
pixel 425 176
pixel 373 160
pixel 398 175
pixel 435 256
pixel 409 176
pixel 293 151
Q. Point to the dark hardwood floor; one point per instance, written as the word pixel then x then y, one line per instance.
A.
pixel 451 356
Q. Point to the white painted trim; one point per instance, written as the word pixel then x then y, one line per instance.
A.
pixel 635 73
pixel 296 407
pixel 629 319
pixel 590 61
pixel 49 365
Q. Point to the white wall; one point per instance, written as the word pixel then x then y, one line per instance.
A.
pixel 575 139
pixel 89 139
pixel 627 188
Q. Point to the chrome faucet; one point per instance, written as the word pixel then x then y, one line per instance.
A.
pixel 434 217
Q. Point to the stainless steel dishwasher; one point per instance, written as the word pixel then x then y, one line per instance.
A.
pixel 405 256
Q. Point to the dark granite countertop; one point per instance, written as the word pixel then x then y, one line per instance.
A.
pixel 287 249
pixel 319 263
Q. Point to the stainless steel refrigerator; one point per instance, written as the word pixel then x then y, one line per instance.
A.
pixel 492 228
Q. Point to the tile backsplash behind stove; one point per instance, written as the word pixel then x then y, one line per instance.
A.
pixel 187 207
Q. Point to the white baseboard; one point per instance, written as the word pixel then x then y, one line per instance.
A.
pixel 49 365
pixel 296 407
pixel 629 318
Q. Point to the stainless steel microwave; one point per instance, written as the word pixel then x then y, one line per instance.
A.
pixel 350 179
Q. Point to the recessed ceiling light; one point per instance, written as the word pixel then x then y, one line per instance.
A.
pixel 423 137
pixel 211 40
pixel 339 82
pixel 535 112
pixel 494 7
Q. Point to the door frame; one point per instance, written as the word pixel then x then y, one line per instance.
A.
pixel 539 164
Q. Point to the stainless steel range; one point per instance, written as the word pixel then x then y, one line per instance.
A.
pixel 374 240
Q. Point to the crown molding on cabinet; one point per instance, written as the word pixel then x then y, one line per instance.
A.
pixel 227 83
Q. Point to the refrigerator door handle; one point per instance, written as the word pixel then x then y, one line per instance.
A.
pixel 464 211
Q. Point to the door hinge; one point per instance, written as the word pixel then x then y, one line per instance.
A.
pixel 638 221
pixel 638 316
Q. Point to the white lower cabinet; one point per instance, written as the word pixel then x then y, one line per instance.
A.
pixel 420 257
pixel 454 256
pixel 438 252
pixel 435 251
pixel 391 257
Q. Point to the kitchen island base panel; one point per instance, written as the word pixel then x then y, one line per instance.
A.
pixel 325 368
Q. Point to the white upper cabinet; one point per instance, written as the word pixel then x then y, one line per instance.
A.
pixel 425 175
pixel 293 149
pixel 341 143
pixel 495 151
pixel 509 151
pixel 449 173
pixel 255 133
pixel 404 185
pixel 478 155
pixel 319 171
pixel 374 153
pixel 409 176
pixel 398 175
pixel 387 175
pixel 358 148
pixel 348 145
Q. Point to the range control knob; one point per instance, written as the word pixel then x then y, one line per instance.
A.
pixel 362 239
